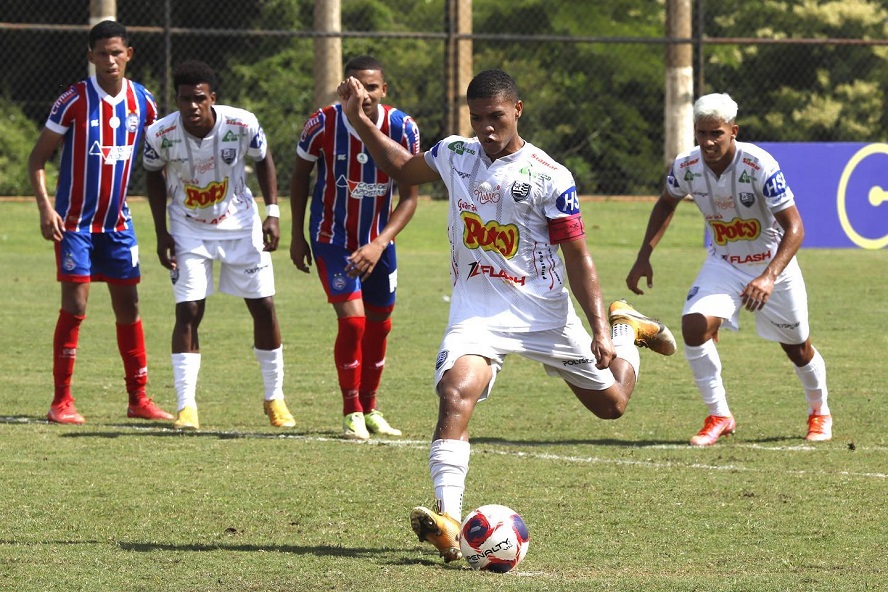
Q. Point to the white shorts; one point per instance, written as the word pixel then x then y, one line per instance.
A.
pixel 245 269
pixel 716 293
pixel 565 353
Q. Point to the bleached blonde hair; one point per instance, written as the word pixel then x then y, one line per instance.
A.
pixel 715 106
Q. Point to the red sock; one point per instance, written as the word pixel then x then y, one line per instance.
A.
pixel 347 355
pixel 373 354
pixel 131 344
pixel 64 354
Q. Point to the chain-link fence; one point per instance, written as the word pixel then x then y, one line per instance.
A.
pixel 591 73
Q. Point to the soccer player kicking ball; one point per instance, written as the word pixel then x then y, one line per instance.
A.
pixel 203 148
pixel 512 209
pixel 100 123
pixel 755 232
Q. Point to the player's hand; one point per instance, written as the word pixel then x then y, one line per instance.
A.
pixel 300 253
pixel 352 95
pixel 271 233
pixel 640 269
pixel 166 250
pixel 603 350
pixel 51 225
pixel 362 262
pixel 757 292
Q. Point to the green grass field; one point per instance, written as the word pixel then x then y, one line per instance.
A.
pixel 122 504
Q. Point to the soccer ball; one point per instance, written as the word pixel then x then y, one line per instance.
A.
pixel 494 538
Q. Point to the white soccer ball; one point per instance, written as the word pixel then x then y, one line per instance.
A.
pixel 494 538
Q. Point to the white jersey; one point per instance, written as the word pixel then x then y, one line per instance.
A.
pixel 506 271
pixel 739 205
pixel 206 177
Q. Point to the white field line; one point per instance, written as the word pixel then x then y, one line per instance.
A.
pixel 424 444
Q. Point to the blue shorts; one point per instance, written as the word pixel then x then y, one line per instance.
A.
pixel 111 257
pixel 378 290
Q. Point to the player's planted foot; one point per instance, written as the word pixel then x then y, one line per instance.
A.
pixel 64 412
pixel 439 529
pixel 186 419
pixel 649 333
pixel 713 427
pixel 819 428
pixel 354 428
pixel 147 409
pixel 376 424
pixel 278 414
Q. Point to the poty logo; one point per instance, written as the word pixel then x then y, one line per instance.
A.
pixel 490 236
pixel 203 197
pixel 736 230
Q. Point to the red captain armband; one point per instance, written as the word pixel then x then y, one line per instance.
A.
pixel 566 229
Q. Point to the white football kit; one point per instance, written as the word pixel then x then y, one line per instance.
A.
pixel 212 212
pixel 509 296
pixel 739 207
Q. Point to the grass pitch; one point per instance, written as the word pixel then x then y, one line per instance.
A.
pixel 121 504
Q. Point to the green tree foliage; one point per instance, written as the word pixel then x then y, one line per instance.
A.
pixel 802 92
pixel 16 141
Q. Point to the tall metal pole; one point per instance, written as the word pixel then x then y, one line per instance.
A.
pixel 678 110
pixel 328 51
pixel 100 10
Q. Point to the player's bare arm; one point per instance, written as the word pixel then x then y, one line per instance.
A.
pixel 300 189
pixel 390 156
pixel 658 222
pixel 757 292
pixel 267 177
pixel 51 224
pixel 583 278
pixel 364 259
pixel 155 183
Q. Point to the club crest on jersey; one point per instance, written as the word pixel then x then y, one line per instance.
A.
pixel 68 262
pixel 520 191
pixel 111 154
pixel 362 158
pixel 229 155
pixel 132 122
pixel 442 357
pixel 747 199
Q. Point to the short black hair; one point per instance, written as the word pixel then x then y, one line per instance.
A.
pixel 364 62
pixel 107 30
pixel 492 83
pixel 194 72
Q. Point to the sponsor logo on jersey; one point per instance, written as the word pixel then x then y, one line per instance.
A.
pixel 460 147
pixel 579 362
pixel 738 229
pixel 490 236
pixel 545 163
pixel 236 122
pixel 747 199
pixel 688 163
pixel 62 100
pixel 689 176
pixel 150 153
pixel 205 164
pixel 534 174
pixel 476 269
pixel 360 190
pixel 312 125
pixel 111 154
pixel 745 178
pixel 464 205
pixel 166 143
pixel 164 130
pixel 775 187
pixel 751 163
pixel 671 180
pixel 462 175
pixel 204 197
pixel 724 203
pixel 750 258
pixel 520 191
pixel 568 202
pixel 229 136
pixel 786 325
pixel 487 194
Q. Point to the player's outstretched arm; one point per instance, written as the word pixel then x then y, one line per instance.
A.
pixel 661 216
pixel 390 156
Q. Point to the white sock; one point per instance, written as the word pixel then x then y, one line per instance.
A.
pixel 706 368
pixel 271 364
pixel 813 378
pixel 186 367
pixel 623 338
pixel 449 464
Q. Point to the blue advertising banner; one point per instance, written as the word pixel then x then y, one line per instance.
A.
pixel 841 191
